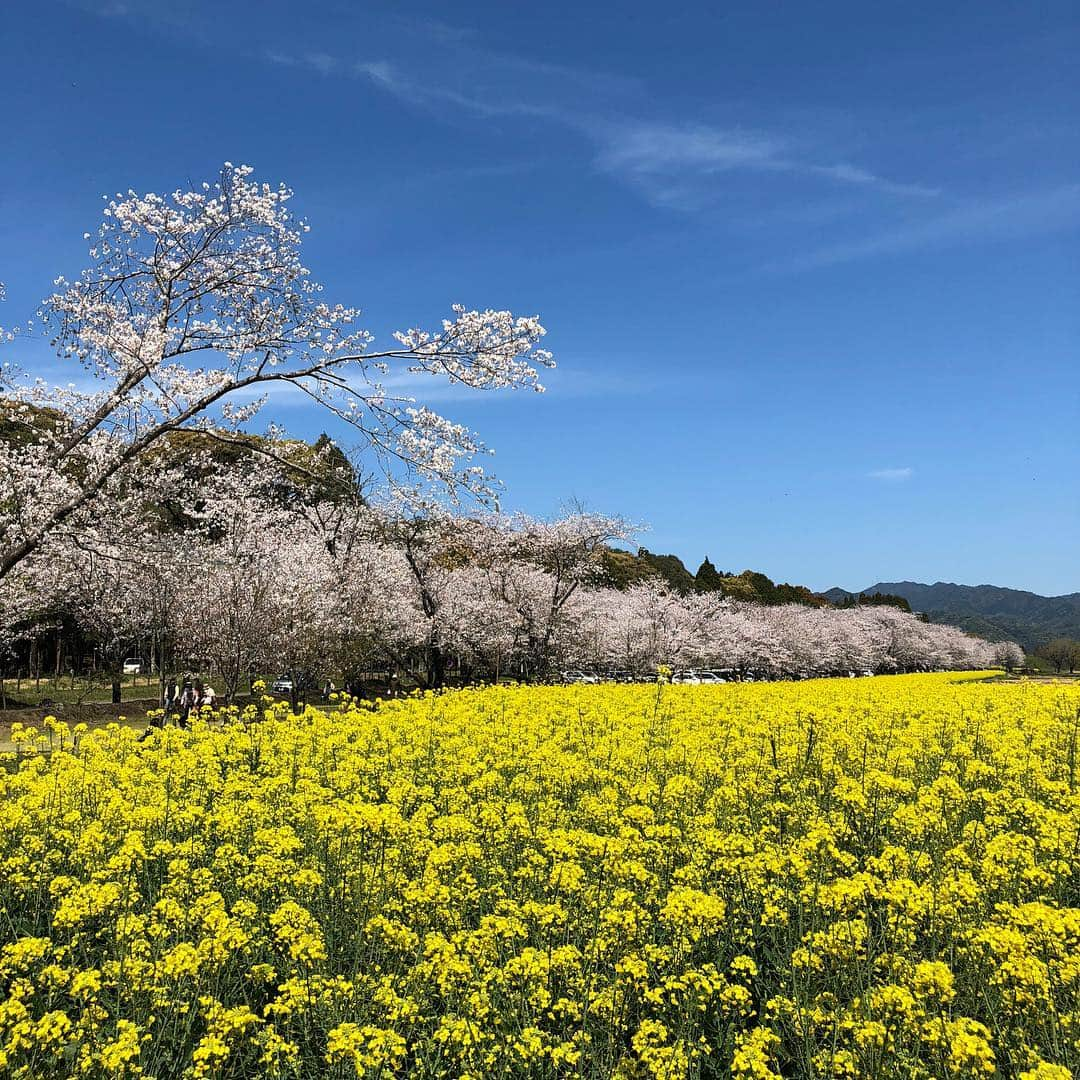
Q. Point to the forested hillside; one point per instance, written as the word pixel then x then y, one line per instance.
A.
pixel 992 612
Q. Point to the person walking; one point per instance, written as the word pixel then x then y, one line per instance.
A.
pixel 188 701
pixel 168 707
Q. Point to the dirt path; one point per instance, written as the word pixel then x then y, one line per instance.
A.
pixel 131 714
pixel 95 715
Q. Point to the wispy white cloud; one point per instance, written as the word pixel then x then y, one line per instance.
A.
pixel 436 29
pixel 655 147
pixel 671 161
pixel 394 80
pixel 851 174
pixel 283 399
pixel 180 19
pixel 320 62
pixel 979 221
pixel 402 84
pixel 892 476
pixel 657 155
pixel 671 164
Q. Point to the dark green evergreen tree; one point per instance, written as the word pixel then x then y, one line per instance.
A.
pixel 708 578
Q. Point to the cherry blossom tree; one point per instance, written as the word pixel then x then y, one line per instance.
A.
pixel 659 626
pixel 433 544
pixel 536 568
pixel 262 596
pixel 1007 654
pixel 383 623
pixel 115 577
pixel 193 306
pixel 126 588
pixel 477 625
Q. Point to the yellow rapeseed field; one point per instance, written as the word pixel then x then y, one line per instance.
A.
pixel 841 878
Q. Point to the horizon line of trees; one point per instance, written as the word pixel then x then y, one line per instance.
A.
pixel 624 567
pixel 300 570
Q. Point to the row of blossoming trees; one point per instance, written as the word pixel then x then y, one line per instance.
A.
pixel 192 308
pixel 323 588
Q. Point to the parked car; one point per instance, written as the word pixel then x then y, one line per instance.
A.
pixel 709 678
pixel 686 678
pixel 307 684
pixel 134 665
pixel 579 677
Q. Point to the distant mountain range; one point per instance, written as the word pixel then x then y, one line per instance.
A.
pixel 987 610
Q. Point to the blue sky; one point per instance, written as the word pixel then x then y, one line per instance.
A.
pixel 810 271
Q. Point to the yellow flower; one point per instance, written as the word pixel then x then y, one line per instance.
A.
pixel 753 1058
pixel 366 1048
pixel 118 1054
pixel 870 877
pixel 1045 1071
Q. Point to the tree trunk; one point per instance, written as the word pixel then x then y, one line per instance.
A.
pixel 436 667
pixel 116 690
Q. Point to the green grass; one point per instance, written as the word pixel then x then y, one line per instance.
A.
pixel 29 693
